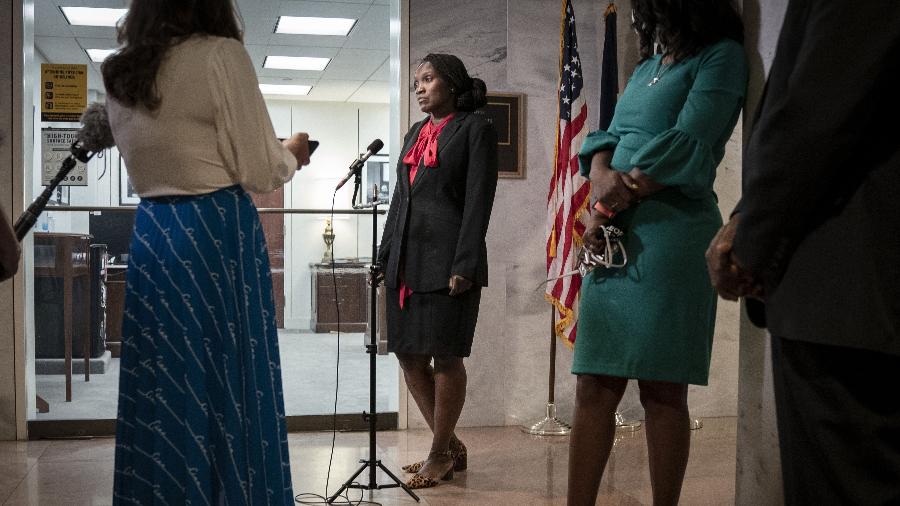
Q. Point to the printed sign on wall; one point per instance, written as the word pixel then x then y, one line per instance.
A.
pixel 63 91
pixel 55 143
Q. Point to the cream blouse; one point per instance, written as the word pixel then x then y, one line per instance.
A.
pixel 211 130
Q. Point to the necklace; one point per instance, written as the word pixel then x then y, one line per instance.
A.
pixel 660 70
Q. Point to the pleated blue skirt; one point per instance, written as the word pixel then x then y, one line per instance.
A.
pixel 201 411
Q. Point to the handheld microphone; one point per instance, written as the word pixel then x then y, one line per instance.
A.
pixel 356 166
pixel 95 136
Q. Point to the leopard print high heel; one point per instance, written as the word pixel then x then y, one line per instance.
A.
pixel 457 450
pixel 420 481
pixel 413 468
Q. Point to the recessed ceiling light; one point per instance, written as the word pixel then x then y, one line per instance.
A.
pixel 98 55
pixel 284 89
pixel 314 26
pixel 92 16
pixel 295 63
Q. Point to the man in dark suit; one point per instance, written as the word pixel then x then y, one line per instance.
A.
pixel 816 236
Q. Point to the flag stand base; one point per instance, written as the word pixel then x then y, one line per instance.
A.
pixel 549 426
pixel 629 426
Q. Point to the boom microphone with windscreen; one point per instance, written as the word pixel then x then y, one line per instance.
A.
pixel 94 136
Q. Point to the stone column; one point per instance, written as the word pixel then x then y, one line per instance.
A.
pixel 758 479
pixel 16 50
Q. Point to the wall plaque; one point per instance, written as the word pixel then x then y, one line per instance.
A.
pixel 506 111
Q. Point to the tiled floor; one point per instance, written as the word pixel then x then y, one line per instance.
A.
pixel 506 467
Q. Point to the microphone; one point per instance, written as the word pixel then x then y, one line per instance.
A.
pixel 95 136
pixel 356 166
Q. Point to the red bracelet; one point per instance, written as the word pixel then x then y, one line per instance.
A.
pixel 600 208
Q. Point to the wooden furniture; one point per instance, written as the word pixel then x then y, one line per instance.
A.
pixel 115 306
pixel 352 290
pixel 66 257
pixel 273 230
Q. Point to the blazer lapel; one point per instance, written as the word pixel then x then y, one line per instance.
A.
pixel 404 169
pixel 449 131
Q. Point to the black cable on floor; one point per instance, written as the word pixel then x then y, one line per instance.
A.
pixel 344 499
pixel 313 498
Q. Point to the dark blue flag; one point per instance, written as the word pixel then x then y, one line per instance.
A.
pixel 609 69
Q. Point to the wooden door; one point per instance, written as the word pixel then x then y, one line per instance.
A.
pixel 273 228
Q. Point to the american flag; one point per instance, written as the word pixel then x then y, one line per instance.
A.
pixel 569 192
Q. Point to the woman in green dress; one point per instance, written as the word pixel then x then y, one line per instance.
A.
pixel 652 174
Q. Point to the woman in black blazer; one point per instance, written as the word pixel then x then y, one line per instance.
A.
pixel 433 252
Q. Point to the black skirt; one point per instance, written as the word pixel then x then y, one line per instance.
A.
pixel 433 323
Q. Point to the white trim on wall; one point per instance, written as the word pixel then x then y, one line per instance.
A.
pixel 25 385
pixel 399 119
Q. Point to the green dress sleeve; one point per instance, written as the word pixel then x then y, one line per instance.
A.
pixel 600 140
pixel 686 155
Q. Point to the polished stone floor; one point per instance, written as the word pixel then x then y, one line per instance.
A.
pixel 506 467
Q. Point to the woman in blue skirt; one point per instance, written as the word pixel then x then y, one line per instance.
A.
pixel 201 414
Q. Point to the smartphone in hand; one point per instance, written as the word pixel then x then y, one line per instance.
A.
pixel 311 145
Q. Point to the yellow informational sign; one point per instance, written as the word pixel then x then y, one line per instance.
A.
pixel 63 91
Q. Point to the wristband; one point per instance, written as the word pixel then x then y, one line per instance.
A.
pixel 600 208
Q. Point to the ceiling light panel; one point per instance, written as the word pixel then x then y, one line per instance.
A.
pixel 295 63
pixel 314 26
pixel 92 16
pixel 284 89
pixel 98 55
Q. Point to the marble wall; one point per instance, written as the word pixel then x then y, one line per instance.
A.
pixel 514 47
pixel 758 479
pixel 7 323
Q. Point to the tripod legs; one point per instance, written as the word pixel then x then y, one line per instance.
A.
pixel 372 465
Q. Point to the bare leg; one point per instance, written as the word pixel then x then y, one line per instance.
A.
pixel 668 437
pixel 450 396
pixel 419 376
pixel 593 433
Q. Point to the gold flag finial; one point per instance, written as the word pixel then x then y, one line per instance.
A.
pixel 610 9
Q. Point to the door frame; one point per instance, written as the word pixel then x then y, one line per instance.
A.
pixel 17 37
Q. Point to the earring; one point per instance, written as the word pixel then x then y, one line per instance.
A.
pixel 453 91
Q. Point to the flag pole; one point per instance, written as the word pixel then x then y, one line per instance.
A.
pixel 552 387
pixel 550 425
pixel 609 90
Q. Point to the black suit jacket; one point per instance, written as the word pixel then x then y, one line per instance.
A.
pixel 820 221
pixel 437 227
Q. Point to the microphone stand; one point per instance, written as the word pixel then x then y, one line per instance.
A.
pixel 28 218
pixel 372 464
